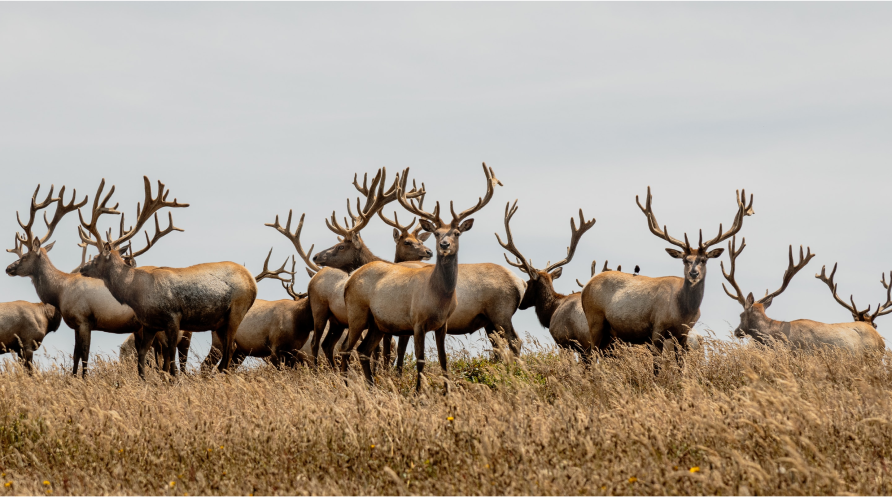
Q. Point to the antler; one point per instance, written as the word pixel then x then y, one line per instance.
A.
pixel 791 271
pixel 491 182
pixel 654 226
pixel 99 208
pixel 158 234
pixel 27 239
pixel 594 270
pixel 295 240
pixel 396 222
pixel 886 308
pixel 84 258
pixel 832 285
pixel 289 287
pixel 730 276
pixel 374 202
pixel 277 274
pixel 575 235
pixel 522 263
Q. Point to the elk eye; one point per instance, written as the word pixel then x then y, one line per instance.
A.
pixel 407 243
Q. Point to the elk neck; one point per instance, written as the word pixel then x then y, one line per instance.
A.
pixel 121 281
pixel 363 256
pixel 763 328
pixel 445 276
pixel 49 281
pixel 547 301
pixel 690 297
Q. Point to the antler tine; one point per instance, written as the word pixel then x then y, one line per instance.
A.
pixel 158 234
pixel 86 230
pixel 594 270
pixel 147 211
pixel 522 263
pixel 791 271
pixel 364 188
pixel 18 249
pixel 883 309
pixel 832 285
pixel 405 199
pixel 733 254
pixel 605 268
pixel 491 182
pixel 743 210
pixel 61 210
pixel 32 213
pixel 396 222
pixel 277 274
pixel 295 239
pixel 576 235
pixel 84 258
pixel 654 226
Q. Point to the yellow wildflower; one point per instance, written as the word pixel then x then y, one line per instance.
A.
pixel 210 450
pixel 46 482
pixel 221 447
pixel 173 484
pixel 633 479
pixel 373 446
pixel 8 484
pixel 695 469
pixel 450 418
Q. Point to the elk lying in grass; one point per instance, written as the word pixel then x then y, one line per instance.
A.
pixel 859 336
pixel 205 297
pixel 644 310
pixel 390 298
pixel 85 303
pixel 487 296
pixel 326 287
pixel 23 326
pixel 561 314
pixel 862 334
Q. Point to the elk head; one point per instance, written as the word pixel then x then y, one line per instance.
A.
pixel 348 253
pixel 753 317
pixel 30 248
pixel 409 244
pixel 541 281
pixel 695 258
pixel 863 315
pixel 445 233
pixel 114 253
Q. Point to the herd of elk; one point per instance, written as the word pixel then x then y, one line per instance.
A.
pixel 373 299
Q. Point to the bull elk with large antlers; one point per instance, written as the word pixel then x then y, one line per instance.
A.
pixel 859 336
pixel 561 314
pixel 85 303
pixel 644 310
pixel 398 300
pixel 326 287
pixel 205 297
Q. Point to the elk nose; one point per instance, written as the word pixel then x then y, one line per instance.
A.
pixel 694 273
pixel 444 244
pixel 429 252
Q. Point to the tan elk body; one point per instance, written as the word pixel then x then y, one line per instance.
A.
pixel 644 310
pixel 859 336
pixel 395 299
pixel 24 325
pixel 204 297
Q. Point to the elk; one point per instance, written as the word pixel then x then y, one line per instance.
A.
pixel 85 303
pixel 395 299
pixel 127 351
pixel 561 314
pixel 326 287
pixel 487 297
pixel 205 297
pixel 23 326
pixel 644 310
pixel 802 333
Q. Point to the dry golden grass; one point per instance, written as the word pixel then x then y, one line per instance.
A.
pixel 745 420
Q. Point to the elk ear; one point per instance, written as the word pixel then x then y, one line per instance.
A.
pixel 677 254
pixel 767 302
pixel 35 245
pixel 749 301
pixel 427 225
pixel 396 235
pixel 466 226
pixel 424 236
pixel 556 273
pixel 712 254
pixel 106 249
pixel 49 247
pixel 357 242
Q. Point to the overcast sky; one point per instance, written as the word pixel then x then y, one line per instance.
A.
pixel 248 110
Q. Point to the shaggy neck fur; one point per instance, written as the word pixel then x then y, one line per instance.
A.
pixel 445 274
pixel 547 302
pixel 763 327
pixel 49 281
pixel 690 297
pixel 119 278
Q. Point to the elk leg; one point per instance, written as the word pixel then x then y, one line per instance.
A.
pixel 440 335
pixel 657 340
pixel 401 346
pixel 419 356
pixel 214 355
pixel 170 349
pixel 183 350
pixel 368 348
pixel 387 354
pixel 227 336
pixel 332 336
pixel 28 356
pixel 81 347
pixel 85 349
pixel 318 331
pixel 144 339
pixel 353 336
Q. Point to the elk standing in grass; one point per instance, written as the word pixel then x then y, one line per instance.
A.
pixel 205 297
pixel 23 326
pixel 395 299
pixel 644 310
pixel 85 303
pixel 561 314
pixel 326 287
pixel 859 336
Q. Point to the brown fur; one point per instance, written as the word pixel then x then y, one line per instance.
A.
pixel 23 326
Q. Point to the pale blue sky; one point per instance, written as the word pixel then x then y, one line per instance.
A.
pixel 248 110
